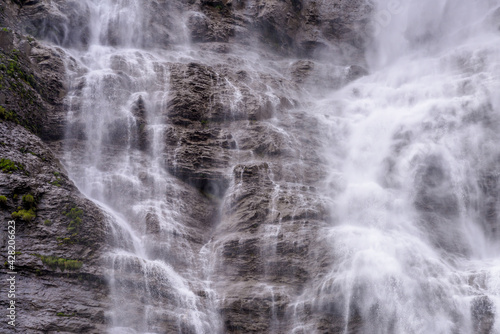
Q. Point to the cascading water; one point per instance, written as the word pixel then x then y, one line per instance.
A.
pixel 117 95
pixel 413 176
pixel 415 239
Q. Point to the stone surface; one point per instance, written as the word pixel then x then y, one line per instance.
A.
pixel 42 291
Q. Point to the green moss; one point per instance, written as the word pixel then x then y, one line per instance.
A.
pixel 47 222
pixel 3 199
pixel 73 264
pixel 22 86
pixel 8 115
pixel 28 199
pixel 75 214
pixel 25 150
pixel 13 70
pixel 25 215
pixel 9 166
pixel 62 314
pixel 57 182
pixel 54 262
pixel 64 241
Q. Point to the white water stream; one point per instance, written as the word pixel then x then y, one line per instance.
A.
pixel 416 242
pixel 117 96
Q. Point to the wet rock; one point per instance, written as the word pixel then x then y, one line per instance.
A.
pixel 355 72
pixel 51 233
pixel 483 315
pixel 141 138
pixel 301 70
pixel 219 29
pixel 320 77
pixel 438 204
pixel 200 158
pixel 191 99
pixel 259 309
pixel 435 192
pixel 32 83
pixel 152 223
pixel 6 41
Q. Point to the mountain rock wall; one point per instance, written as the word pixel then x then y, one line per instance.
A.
pixel 240 142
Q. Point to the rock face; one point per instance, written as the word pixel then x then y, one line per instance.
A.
pixel 33 85
pixel 59 239
pixel 60 235
pixel 240 147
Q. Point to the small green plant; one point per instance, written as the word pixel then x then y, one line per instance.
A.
pixel 75 214
pixel 62 241
pixel 25 215
pixel 25 150
pixel 62 314
pixel 204 122
pixel 8 115
pixel 28 199
pixel 9 166
pixel 54 262
pixel 47 222
pixel 57 182
pixel 28 213
pixel 3 199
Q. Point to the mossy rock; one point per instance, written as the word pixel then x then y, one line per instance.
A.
pixel 25 215
pixel 54 262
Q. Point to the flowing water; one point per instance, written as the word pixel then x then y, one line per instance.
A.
pixel 414 237
pixel 118 92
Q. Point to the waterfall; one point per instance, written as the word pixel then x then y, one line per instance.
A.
pixel 115 154
pixel 414 239
pixel 402 226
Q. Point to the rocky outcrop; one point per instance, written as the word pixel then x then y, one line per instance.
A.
pixel 294 27
pixel 311 29
pixel 32 84
pixel 261 169
pixel 483 315
pixel 59 236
